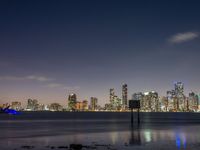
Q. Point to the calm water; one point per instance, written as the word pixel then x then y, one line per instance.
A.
pixel 157 130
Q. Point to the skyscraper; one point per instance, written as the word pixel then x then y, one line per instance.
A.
pixel 179 89
pixel 151 102
pixel 72 101
pixel 193 102
pixel 139 96
pixel 32 105
pixel 93 103
pixel 112 95
pixel 171 100
pixel 124 95
pixel 179 92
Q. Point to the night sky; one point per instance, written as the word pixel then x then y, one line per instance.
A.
pixel 51 48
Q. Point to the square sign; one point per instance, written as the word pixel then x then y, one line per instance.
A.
pixel 134 104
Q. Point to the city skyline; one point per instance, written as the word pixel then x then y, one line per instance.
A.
pixel 48 51
pixel 173 96
pixel 175 100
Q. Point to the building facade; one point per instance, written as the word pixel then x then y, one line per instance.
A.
pixel 72 99
pixel 124 96
pixel 93 103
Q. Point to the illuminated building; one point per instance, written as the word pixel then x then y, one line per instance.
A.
pixel 108 107
pixel 193 102
pixel 82 105
pixel 176 98
pixel 151 102
pixel 164 104
pixel 55 107
pixel 5 105
pixel 16 106
pixel 179 89
pixel 93 103
pixel 40 107
pixel 124 95
pixel 180 98
pixel 79 105
pixel 117 103
pixel 32 105
pixel 85 105
pixel 139 96
pixel 112 95
pixel 72 101
pixel 171 100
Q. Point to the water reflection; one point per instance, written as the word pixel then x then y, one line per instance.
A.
pixel 135 138
pixel 158 136
pixel 180 141
pixel 147 136
pixel 174 139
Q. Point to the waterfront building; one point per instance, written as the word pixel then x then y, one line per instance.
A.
pixel 40 107
pixel 124 95
pixel 164 104
pixel 177 101
pixel 79 106
pixel 32 105
pixel 139 96
pixel 82 105
pixel 179 89
pixel 72 99
pixel 193 102
pixel 108 106
pixel 112 95
pixel 6 105
pixel 93 103
pixel 155 101
pixel 151 102
pixel 170 100
pixel 85 105
pixel 55 107
pixel 16 106
pixel 117 103
pixel 180 98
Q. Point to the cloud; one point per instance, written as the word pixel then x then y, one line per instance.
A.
pixel 31 77
pixel 183 37
pixel 54 85
pixel 48 81
pixel 72 88
pixel 58 85
pixel 38 78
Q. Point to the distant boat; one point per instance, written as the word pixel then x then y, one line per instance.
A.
pixel 8 111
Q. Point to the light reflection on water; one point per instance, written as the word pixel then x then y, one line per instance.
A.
pixel 186 138
pixel 147 135
pixel 181 141
pixel 180 137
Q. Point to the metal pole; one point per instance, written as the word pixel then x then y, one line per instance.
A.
pixel 131 117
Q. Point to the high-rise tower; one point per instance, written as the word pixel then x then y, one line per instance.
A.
pixel 112 95
pixel 179 89
pixel 180 98
pixel 124 95
pixel 93 103
pixel 72 101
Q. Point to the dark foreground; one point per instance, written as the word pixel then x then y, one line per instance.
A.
pixel 99 130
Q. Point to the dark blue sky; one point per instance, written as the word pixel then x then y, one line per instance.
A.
pixel 50 48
